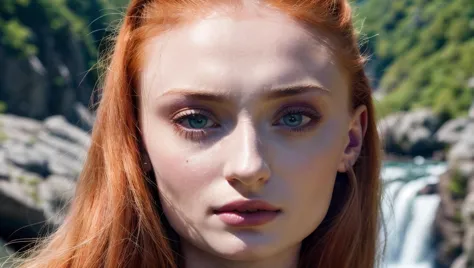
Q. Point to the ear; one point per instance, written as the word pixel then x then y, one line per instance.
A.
pixel 355 134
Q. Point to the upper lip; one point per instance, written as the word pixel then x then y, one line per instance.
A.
pixel 247 205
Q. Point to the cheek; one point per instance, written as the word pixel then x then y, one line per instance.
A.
pixel 311 173
pixel 183 178
pixel 313 157
pixel 182 174
pixel 309 170
pixel 183 171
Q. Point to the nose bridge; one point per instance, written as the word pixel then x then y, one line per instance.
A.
pixel 246 162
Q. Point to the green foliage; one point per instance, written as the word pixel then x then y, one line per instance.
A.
pixel 22 23
pixel 16 36
pixel 422 51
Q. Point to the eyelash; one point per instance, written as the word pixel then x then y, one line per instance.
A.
pixel 187 133
pixel 313 115
pixel 198 134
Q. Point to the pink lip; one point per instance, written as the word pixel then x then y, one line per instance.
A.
pixel 237 213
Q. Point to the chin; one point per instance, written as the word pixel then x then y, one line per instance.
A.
pixel 244 254
pixel 245 247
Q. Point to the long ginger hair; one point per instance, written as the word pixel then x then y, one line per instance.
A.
pixel 115 219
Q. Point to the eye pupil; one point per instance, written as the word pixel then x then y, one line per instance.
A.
pixel 197 121
pixel 293 119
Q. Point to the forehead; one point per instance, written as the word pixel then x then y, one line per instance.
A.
pixel 239 54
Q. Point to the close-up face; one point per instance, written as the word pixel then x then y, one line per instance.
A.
pixel 244 108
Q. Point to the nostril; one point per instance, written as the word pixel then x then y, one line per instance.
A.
pixel 248 183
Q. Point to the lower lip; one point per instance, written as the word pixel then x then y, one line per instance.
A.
pixel 242 219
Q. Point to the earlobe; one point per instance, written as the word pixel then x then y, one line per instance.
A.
pixel 355 134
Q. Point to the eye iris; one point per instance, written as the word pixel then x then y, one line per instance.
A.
pixel 197 121
pixel 293 120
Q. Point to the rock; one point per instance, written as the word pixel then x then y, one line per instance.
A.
pixel 21 216
pixel 410 133
pixel 471 111
pixel 18 129
pixel 451 131
pixel 456 248
pixel 51 82
pixel 86 117
pixel 23 155
pixel 22 83
pixel 420 133
pixel 21 123
pixel 55 147
pixel 39 163
pixel 58 126
pixel 4 172
pixel 462 151
pixel 468 221
pixel 387 124
pixel 460 262
pixel 448 222
pixel 56 193
pixel 429 189
pixel 466 259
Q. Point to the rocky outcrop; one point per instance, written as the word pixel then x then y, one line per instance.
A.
pixel 451 132
pixel 455 217
pixel 448 222
pixel 423 133
pixel 39 163
pixel 411 133
pixel 53 66
pixel 28 86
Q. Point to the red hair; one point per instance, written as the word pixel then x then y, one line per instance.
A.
pixel 115 218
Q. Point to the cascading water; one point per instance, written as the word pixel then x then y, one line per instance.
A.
pixel 408 215
pixel 424 210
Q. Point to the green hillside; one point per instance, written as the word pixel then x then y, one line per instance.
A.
pixel 422 52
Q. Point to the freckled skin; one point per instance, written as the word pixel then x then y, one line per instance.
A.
pixel 247 155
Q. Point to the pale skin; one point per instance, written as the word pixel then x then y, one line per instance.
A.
pixel 273 123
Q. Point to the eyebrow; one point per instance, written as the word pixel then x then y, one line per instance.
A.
pixel 269 94
pixel 285 92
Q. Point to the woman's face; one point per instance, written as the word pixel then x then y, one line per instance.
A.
pixel 249 108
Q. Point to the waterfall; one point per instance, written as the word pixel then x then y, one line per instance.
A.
pixel 408 215
pixel 418 235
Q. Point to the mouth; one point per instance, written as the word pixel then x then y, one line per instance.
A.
pixel 247 213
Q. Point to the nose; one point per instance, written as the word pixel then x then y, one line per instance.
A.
pixel 246 163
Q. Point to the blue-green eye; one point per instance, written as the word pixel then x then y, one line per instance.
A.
pixel 294 120
pixel 197 121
